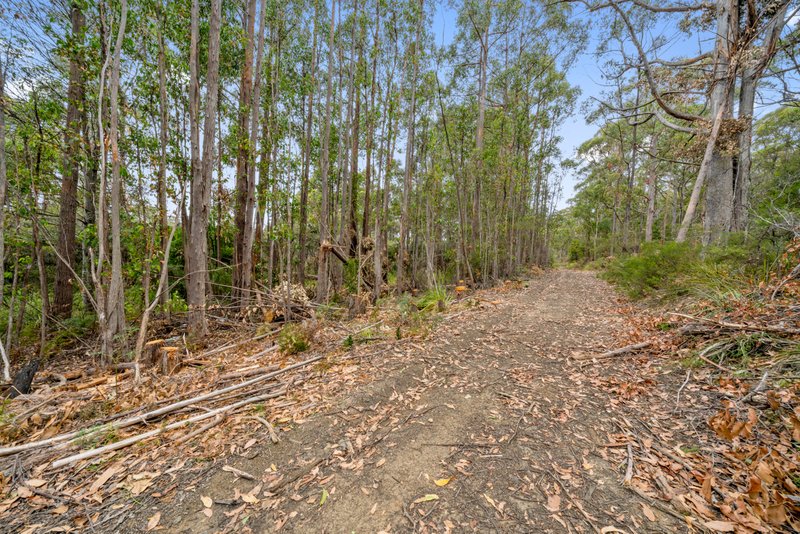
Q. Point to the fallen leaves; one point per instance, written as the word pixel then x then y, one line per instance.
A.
pixel 152 523
pixel 720 526
pixel 427 498
pixel 553 503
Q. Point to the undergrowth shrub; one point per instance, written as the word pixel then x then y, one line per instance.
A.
pixel 433 296
pixel 654 269
pixel 293 339
pixel 720 275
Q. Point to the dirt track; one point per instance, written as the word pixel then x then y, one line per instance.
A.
pixel 489 402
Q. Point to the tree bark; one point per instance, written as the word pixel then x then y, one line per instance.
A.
pixel 309 119
pixel 241 263
pixel 409 170
pixel 163 126
pixel 197 248
pixel 719 187
pixel 324 228
pixel 115 303
pixel 68 204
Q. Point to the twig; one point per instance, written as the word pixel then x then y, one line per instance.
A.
pixel 238 472
pixel 198 431
pixel 583 512
pixel 680 389
pixel 759 387
pixel 273 436
pixel 629 470
pixel 616 352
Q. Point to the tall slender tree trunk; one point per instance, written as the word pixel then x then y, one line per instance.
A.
pixel 325 237
pixel 371 125
pixel 250 200
pixel 163 127
pixel 240 293
pixel 3 179
pixel 409 170
pixel 309 119
pixel 751 73
pixel 68 204
pixel 116 291
pixel 652 185
pixel 202 169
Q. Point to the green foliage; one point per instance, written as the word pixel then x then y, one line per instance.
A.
pixel 293 339
pixel 432 297
pixel 96 436
pixel 656 268
pixel 176 304
pixel 73 328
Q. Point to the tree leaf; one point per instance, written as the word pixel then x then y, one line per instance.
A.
pixel 427 498
pixel 720 526
pixel 153 521
pixel 207 501
pixel 442 481
pixel 324 497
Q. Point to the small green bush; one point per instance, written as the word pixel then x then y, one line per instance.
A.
pixel 656 268
pixel 293 339
pixel 433 296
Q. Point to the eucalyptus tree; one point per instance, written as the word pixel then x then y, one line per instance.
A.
pixel 745 43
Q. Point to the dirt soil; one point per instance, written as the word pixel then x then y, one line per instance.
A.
pixel 482 428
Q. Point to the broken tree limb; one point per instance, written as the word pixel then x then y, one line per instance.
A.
pixel 203 429
pixel 146 435
pixel 273 436
pixel 739 326
pixel 616 352
pixel 235 344
pixel 5 451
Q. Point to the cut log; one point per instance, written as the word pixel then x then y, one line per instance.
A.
pixel 610 354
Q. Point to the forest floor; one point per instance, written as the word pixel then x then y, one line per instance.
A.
pixel 501 415
pixel 486 426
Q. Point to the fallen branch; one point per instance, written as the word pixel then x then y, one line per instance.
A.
pixel 740 326
pixel 83 433
pixel 629 470
pixel 203 429
pixel 273 436
pixel 235 344
pixel 610 354
pixel 147 435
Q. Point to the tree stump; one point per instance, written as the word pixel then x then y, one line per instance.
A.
pixel 170 359
pixel 21 385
